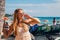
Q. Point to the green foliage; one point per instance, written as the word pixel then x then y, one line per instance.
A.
pixel 7 15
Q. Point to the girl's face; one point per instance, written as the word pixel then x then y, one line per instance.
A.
pixel 20 14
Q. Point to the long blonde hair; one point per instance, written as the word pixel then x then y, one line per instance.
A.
pixel 15 21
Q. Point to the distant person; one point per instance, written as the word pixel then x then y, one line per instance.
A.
pixel 54 21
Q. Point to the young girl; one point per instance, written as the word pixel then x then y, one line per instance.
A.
pixel 19 27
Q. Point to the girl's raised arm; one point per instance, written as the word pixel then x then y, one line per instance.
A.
pixel 29 17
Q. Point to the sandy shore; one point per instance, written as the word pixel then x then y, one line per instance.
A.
pixel 42 37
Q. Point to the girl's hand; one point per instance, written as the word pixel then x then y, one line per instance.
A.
pixel 27 16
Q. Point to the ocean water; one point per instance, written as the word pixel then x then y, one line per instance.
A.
pixel 50 19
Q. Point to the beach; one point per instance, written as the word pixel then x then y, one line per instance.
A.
pixel 41 37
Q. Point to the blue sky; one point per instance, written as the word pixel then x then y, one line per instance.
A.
pixel 40 8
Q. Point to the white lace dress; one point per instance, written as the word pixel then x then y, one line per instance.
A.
pixel 22 35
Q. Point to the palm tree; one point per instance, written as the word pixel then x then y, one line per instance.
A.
pixel 2 5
